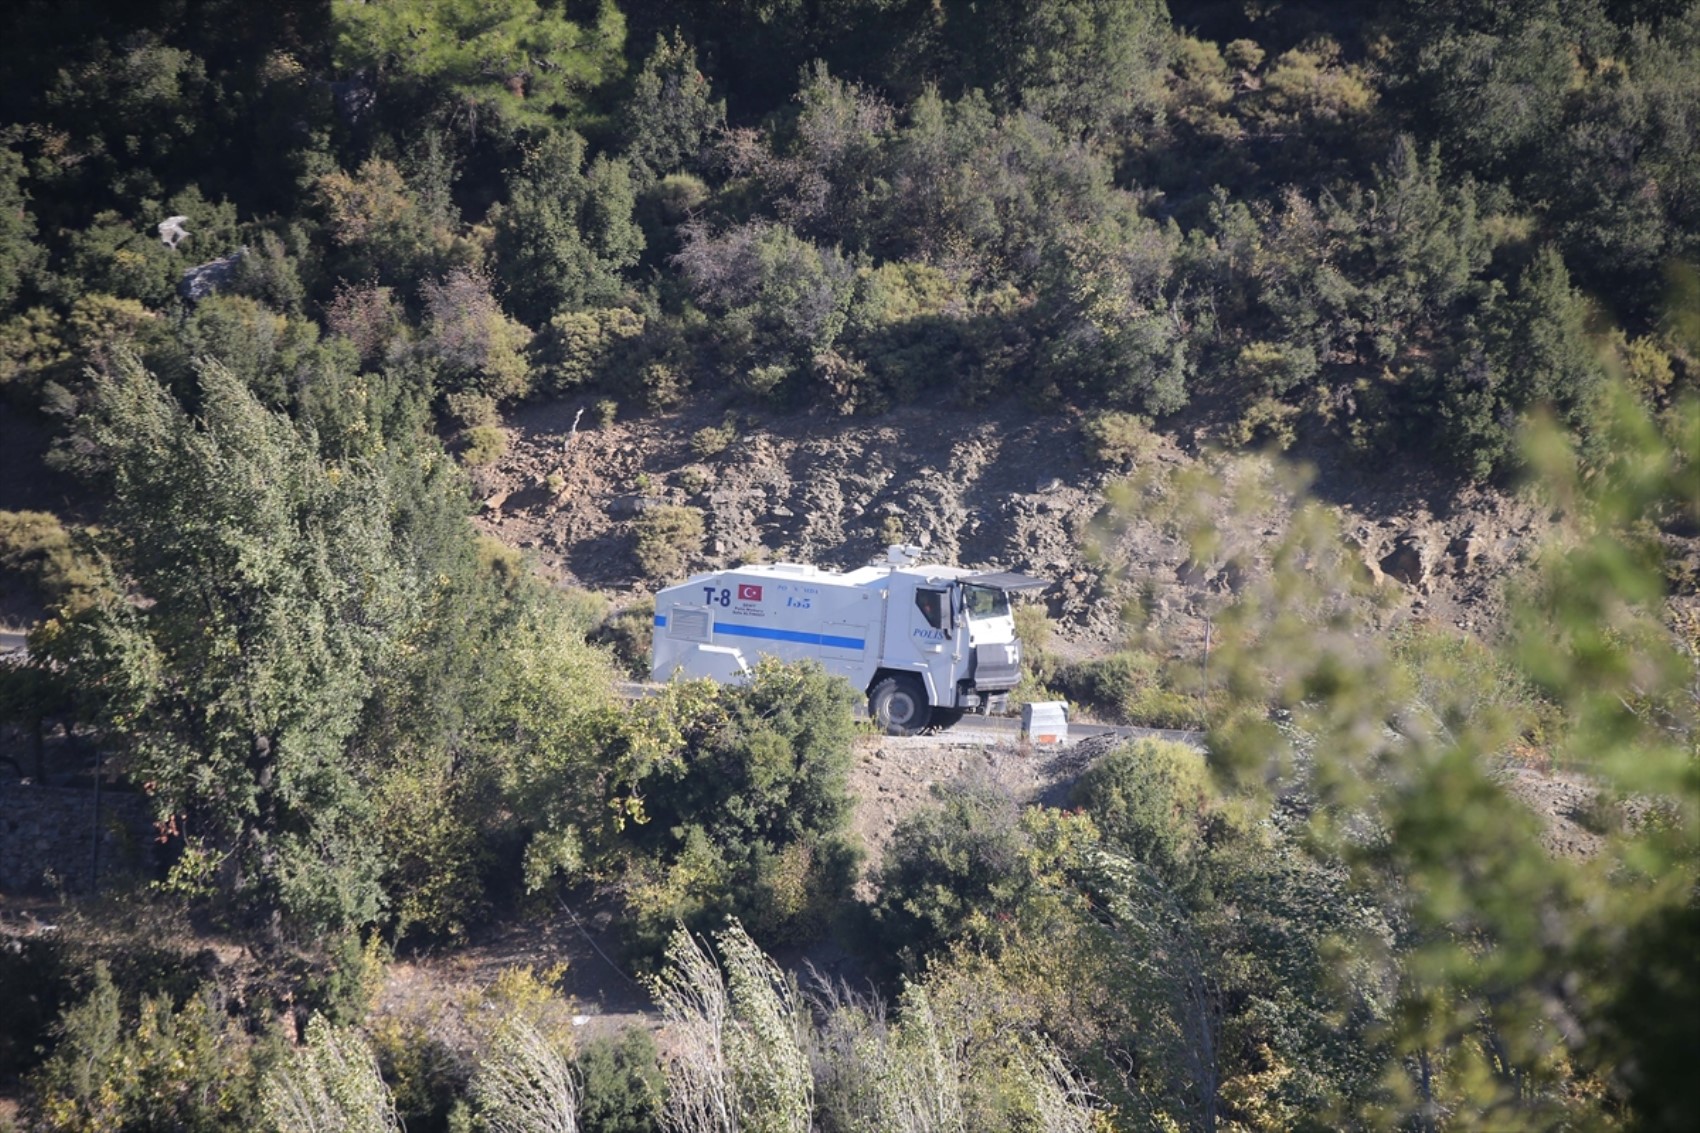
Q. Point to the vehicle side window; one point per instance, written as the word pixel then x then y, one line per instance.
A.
pixel 931 605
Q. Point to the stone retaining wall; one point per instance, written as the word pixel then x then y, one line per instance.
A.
pixel 47 837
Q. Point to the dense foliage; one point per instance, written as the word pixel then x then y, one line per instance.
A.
pixel 270 272
pixel 1395 228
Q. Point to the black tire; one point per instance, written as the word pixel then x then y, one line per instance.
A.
pixel 899 706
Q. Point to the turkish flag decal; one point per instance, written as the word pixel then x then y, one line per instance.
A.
pixel 748 593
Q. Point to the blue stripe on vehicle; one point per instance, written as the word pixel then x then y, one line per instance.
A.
pixel 767 634
pixel 661 621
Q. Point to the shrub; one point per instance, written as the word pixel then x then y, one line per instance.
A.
pixel 426 1075
pixel 470 409
pixel 158 1067
pixel 622 1084
pixel 1152 797
pixel 605 410
pixel 695 479
pixel 331 1081
pixel 1118 439
pixel 748 812
pixel 524 1082
pixel 579 348
pixel 1266 419
pixel 474 343
pixel 347 981
pixel 667 538
pixel 1131 686
pixel 1274 368
pixel 664 385
pixel 972 868
pixel 949 865
pixel 36 545
pixel 583 610
pixel 485 444
pixel 763 381
pixel 629 633
pixel 1033 628
pixel 713 440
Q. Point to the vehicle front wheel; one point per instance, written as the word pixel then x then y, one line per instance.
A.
pixel 899 706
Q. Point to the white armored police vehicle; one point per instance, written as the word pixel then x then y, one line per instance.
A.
pixel 926 643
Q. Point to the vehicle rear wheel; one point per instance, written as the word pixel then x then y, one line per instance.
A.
pixel 899 706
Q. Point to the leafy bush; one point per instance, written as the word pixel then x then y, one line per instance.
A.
pixel 1267 419
pixel 663 385
pixel 485 444
pixel 579 348
pixel 1033 629
pixel 476 345
pixel 748 808
pixel 695 479
pixel 1118 439
pixel 344 984
pixel 1154 799
pixel 331 1081
pixel 712 440
pixel 425 1074
pixel 623 1086
pixel 1132 686
pixel 1443 666
pixel 1272 368
pixel 36 545
pixel 667 538
pixel 969 868
pixel 584 610
pixel 948 866
pixel 629 632
pixel 470 409
pixel 159 1066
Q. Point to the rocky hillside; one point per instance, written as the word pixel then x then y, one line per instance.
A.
pixel 1006 488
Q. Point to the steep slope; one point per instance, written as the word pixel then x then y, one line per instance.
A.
pixel 1001 487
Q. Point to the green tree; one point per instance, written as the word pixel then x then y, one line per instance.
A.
pixel 1087 65
pixel 274 591
pixel 19 255
pixel 1493 77
pixel 1622 178
pixel 524 1084
pixel 671 115
pixel 567 230
pixel 1512 973
pixel 745 806
pixel 518 61
pixel 378 226
pixel 1153 799
pixel 1421 250
pixel 131 110
pixel 473 343
pixel 1530 354
pixel 780 300
pixel 159 1066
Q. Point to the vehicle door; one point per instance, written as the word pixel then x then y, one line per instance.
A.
pixel 931 624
